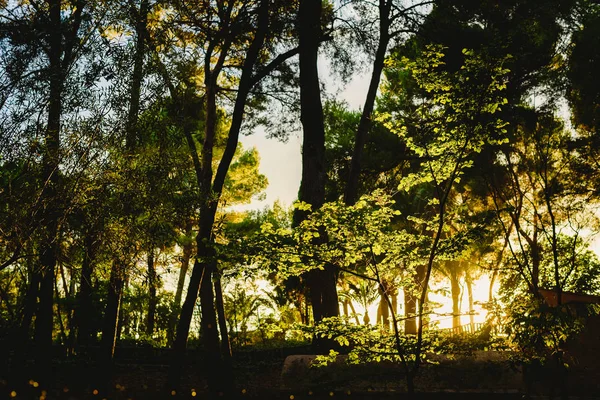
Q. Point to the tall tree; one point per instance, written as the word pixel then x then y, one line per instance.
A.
pixel 245 31
pixel 321 283
pixel 395 21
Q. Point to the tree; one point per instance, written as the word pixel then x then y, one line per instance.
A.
pixel 583 90
pixel 453 118
pixel 225 44
pixel 43 43
pixel 321 283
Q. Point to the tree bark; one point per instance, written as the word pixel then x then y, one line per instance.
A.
pixel 354 312
pixel 140 22
pixel 469 284
pixel 204 267
pixel 455 290
pixel 209 193
pixel 111 313
pixel 383 310
pixel 225 342
pixel 185 263
pixel 360 138
pixel 50 162
pixel 411 299
pixel 410 310
pixel 322 283
pixel 84 309
pixel 152 300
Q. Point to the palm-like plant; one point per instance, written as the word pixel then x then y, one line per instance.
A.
pixel 365 293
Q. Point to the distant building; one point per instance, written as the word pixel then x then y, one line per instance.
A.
pixel 568 298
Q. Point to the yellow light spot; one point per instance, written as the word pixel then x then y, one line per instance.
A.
pixel 117 386
pixel 291 397
pixel 331 394
pixel 36 384
pixel 31 381
pixel 348 393
pixel 243 391
pixel 193 394
pixel 13 394
pixel 95 392
pixel 173 393
pixel 310 392
pixel 42 397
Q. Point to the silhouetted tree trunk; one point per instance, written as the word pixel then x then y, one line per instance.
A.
pixel 111 313
pixel 410 311
pixel 469 284
pixel 360 138
pixel 185 263
pixel 140 17
pixel 322 283
pixel 50 161
pixel 23 336
pixel 225 342
pixel 84 308
pixel 455 291
pixel 354 312
pixel 205 265
pixel 152 300
pixel 383 310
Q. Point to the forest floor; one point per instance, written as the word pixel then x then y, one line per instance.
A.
pixel 142 375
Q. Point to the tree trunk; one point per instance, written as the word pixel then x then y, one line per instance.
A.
pixel 354 312
pixel 23 336
pixel 360 138
pixel 469 284
pixel 491 287
pixel 411 299
pixel 50 162
pixel 29 305
pixel 410 311
pixel 152 300
pixel 185 263
pixel 140 22
pixel 209 193
pixel 322 283
pixel 345 308
pixel 204 267
pixel 84 308
pixel 111 313
pixel 455 291
pixel 535 256
pixel 383 310
pixel 217 377
pixel 225 342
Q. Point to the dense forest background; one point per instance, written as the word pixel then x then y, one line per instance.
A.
pixel 474 154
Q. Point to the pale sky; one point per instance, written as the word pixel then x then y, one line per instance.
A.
pixel 281 162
